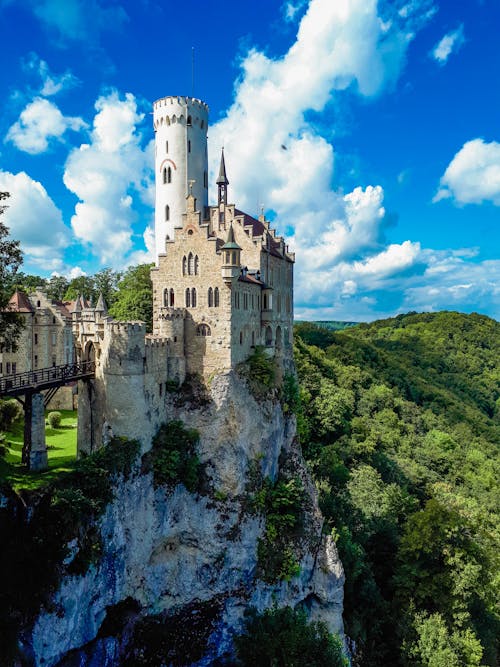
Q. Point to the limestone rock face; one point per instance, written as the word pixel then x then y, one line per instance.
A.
pixel 179 553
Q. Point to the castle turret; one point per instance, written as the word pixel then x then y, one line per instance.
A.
pixel 181 164
pixel 230 257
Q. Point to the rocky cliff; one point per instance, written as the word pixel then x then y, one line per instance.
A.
pixel 180 568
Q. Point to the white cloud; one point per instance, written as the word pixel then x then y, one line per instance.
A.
pixel 449 44
pixel 34 220
pixel 110 175
pixel 39 122
pixel 51 84
pixel 285 164
pixel 473 176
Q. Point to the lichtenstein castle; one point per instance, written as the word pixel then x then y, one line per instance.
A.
pixel 222 285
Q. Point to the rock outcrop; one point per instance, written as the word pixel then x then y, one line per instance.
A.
pixel 187 562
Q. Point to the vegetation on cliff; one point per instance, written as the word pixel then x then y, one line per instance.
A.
pixel 400 423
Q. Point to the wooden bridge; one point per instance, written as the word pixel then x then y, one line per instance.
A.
pixel 30 385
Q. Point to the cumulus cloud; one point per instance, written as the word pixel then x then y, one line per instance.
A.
pixel 51 84
pixel 473 176
pixel 78 20
pixel 34 220
pixel 109 176
pixel 449 44
pixel 39 122
pixel 286 164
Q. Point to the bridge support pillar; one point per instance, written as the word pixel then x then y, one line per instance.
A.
pixel 35 447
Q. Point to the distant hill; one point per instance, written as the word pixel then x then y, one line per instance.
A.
pixel 334 325
pixel 400 422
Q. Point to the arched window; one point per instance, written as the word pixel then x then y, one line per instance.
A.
pixel 234 257
pixel 264 302
pixel 184 265
pixel 196 265
pixel 203 330
pixel 210 297
pixel 164 174
pixel 193 297
pixel 167 213
pixel 169 175
pixel 189 121
pixel 216 297
pixel 165 296
pixel 269 336
pixel 171 297
pixel 190 264
pixel 188 297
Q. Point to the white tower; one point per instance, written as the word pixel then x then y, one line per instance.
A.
pixel 181 163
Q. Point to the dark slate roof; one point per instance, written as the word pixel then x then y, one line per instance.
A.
pixel 222 178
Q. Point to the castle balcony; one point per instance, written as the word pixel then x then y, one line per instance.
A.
pixel 266 316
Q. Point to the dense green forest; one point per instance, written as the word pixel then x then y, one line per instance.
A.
pixel 400 423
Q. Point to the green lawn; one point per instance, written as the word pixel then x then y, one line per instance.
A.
pixel 61 446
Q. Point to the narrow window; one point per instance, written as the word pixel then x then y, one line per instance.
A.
pixel 228 257
pixel 36 361
pixel 38 304
pixel 241 337
pixel 54 339
pixel 216 297
pixel 54 361
pixel 8 367
pixel 190 264
pixel 196 265
pixel 193 297
pixel 166 147
pixel 184 265
pixel 167 212
pixel 36 339
pixel 264 302
pixel 164 174
pixel 161 388
pixel 53 320
pixel 189 121
pixel 188 297
pixel 253 338
pixel 1 368
pixel 189 145
pixel 234 257
pixel 203 330
pixel 172 297
pixel 210 297
pixel 165 297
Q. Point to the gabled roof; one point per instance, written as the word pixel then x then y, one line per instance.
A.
pixel 20 303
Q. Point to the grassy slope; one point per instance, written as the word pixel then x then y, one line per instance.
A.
pixel 61 444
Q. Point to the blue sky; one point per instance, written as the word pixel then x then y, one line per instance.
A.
pixel 388 187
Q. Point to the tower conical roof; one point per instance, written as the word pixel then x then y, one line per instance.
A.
pixel 231 244
pixel 101 304
pixel 222 178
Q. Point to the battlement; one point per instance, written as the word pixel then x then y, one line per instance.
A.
pixel 126 328
pixel 180 100
pixel 167 313
pixel 156 341
pixel 181 110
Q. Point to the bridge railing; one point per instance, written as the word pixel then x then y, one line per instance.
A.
pixel 46 376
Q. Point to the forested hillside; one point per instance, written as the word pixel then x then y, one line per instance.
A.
pixel 400 422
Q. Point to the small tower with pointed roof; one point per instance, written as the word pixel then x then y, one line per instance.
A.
pixel 222 181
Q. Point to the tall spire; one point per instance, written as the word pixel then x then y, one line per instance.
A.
pixel 222 181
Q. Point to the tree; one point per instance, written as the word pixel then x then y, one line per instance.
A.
pixel 284 638
pixel 134 300
pixel 10 260
pixel 82 285
pixel 56 288
pixel 105 283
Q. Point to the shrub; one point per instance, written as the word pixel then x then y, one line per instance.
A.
pixel 281 503
pixel 260 371
pixel 173 457
pixel 10 412
pixel 290 395
pixel 54 419
pixel 284 638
